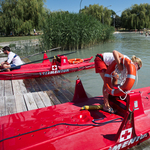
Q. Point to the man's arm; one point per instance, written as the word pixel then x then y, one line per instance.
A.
pixel 117 55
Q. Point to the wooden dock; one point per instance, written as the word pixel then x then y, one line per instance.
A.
pixel 23 95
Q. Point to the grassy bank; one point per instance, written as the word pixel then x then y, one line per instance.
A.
pixel 18 38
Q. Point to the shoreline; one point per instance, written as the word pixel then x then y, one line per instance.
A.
pixel 36 41
pixel 18 43
pixel 116 32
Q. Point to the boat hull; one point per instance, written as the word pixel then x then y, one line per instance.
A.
pixel 46 68
pixel 66 126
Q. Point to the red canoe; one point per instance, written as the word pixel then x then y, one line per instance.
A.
pixel 47 68
pixel 67 127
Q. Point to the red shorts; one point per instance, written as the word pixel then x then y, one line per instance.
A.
pixel 100 66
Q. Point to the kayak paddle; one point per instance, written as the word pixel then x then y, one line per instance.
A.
pixel 42 52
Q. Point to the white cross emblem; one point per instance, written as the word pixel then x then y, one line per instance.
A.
pixel 125 134
pixel 54 67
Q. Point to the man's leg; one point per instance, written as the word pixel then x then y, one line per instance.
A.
pixel 6 66
pixel 105 93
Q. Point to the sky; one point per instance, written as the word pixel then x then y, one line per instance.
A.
pixel 73 6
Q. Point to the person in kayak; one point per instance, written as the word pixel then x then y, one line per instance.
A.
pixel 102 61
pixel 12 61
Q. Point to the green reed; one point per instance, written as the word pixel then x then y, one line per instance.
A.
pixel 73 31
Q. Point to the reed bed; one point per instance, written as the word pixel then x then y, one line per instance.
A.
pixel 73 31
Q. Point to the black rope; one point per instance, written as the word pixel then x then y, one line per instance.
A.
pixel 68 124
pixel 107 121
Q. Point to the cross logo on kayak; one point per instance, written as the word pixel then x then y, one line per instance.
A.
pixel 54 67
pixel 125 134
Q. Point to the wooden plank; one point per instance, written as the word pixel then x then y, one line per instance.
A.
pixel 10 105
pixel 45 86
pixel 55 90
pixel 2 106
pixel 35 85
pixel 2 91
pixel 20 103
pixel 61 95
pixel 55 80
pixel 30 101
pixel 63 88
pixel 38 100
pixel 66 80
pixel 8 88
pixel 53 98
pixel 16 87
pixel 41 84
pixel 45 98
pixel 67 84
pixel 22 86
pixel 28 85
pixel 70 85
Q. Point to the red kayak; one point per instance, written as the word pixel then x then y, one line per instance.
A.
pixel 67 127
pixel 60 65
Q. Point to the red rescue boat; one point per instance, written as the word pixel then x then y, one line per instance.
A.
pixel 67 127
pixel 59 65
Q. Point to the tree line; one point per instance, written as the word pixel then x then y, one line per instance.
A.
pixel 136 17
pixel 21 16
pixel 92 25
pixel 103 14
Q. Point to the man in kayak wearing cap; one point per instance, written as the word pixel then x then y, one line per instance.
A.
pixel 12 61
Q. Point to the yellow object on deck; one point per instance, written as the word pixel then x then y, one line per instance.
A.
pixel 92 107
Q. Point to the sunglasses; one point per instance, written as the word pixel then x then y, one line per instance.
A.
pixel 138 67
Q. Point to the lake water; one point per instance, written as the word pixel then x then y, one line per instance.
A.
pixel 126 43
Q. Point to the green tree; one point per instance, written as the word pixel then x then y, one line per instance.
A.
pixel 136 17
pixel 103 14
pixel 21 16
